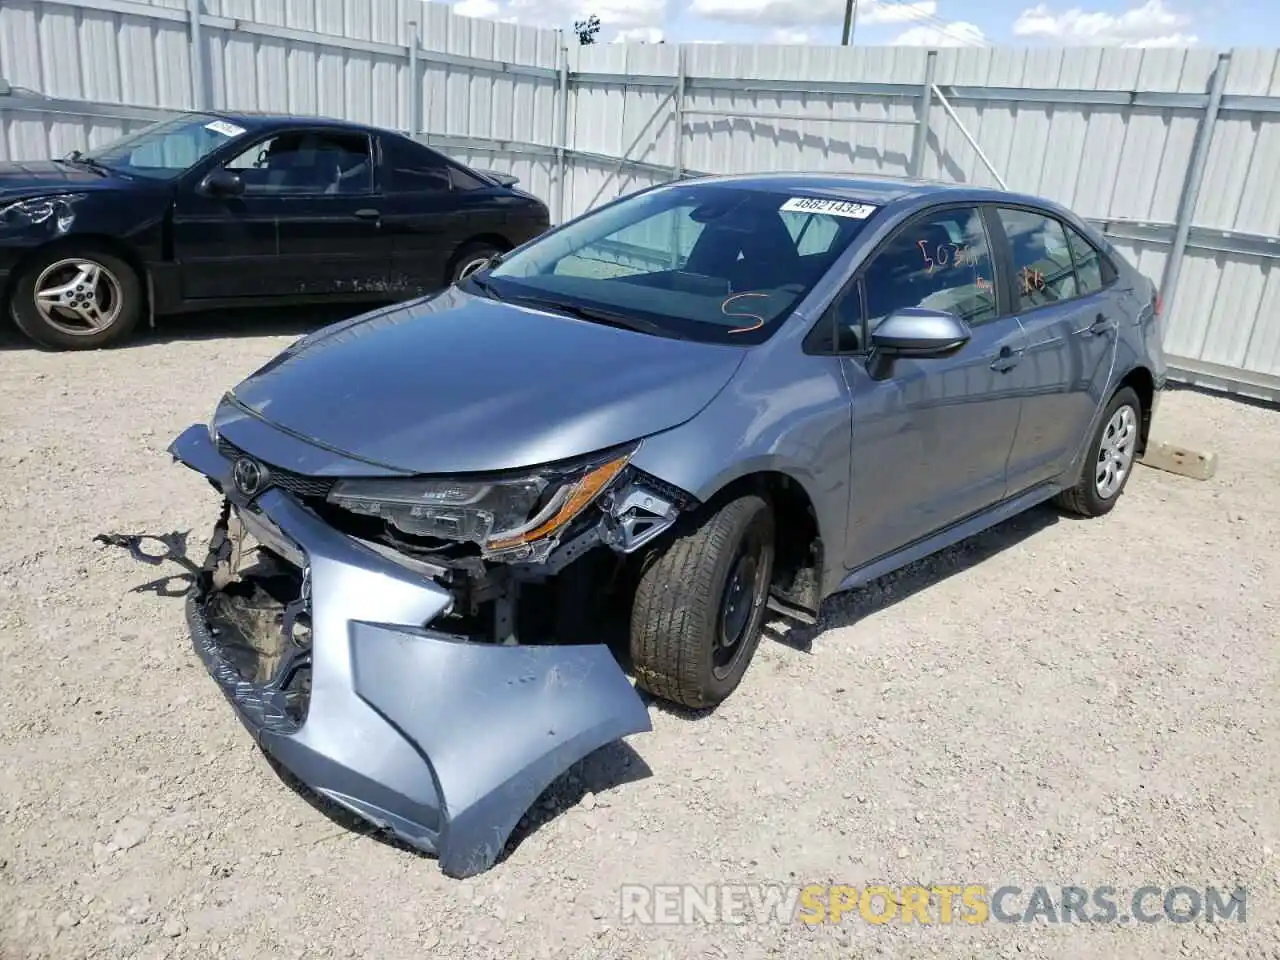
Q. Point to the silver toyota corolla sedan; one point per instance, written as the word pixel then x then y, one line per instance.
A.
pixel 450 528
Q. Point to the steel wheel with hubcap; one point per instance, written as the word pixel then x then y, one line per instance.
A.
pixel 1116 451
pixel 701 602
pixel 76 299
pixel 1109 461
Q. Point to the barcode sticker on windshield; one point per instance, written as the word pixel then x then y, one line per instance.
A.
pixel 836 208
pixel 224 127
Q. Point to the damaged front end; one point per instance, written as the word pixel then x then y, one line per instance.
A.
pixel 375 637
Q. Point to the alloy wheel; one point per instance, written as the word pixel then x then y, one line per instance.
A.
pixel 78 296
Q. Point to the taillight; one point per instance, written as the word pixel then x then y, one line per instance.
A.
pixel 1159 303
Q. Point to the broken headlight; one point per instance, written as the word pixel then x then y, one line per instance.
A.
pixel 36 210
pixel 516 516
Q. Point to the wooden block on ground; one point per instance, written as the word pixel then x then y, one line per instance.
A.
pixel 1196 464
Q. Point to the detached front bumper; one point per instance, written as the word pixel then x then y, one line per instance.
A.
pixel 443 741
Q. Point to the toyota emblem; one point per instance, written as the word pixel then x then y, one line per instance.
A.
pixel 248 476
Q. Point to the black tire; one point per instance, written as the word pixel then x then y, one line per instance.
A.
pixel 118 285
pixel 470 257
pixel 678 617
pixel 1085 499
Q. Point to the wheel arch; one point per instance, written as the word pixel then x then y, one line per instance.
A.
pixel 800 557
pixel 94 241
pixel 1140 379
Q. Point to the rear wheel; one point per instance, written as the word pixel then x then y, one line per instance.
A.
pixel 700 605
pixel 76 298
pixel 470 258
pixel 1110 460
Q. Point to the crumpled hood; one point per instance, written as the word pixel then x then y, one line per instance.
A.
pixel 460 383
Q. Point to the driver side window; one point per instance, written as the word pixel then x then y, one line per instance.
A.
pixel 306 163
pixel 941 261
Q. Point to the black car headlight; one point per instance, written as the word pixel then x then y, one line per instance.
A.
pixel 515 516
pixel 35 210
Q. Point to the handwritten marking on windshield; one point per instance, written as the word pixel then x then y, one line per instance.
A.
pixel 759 320
pixel 958 254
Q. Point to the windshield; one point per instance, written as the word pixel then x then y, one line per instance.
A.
pixel 713 262
pixel 164 150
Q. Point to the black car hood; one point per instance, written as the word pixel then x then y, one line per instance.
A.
pixel 460 383
pixel 30 177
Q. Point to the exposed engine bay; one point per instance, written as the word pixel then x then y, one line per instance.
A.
pixel 529 559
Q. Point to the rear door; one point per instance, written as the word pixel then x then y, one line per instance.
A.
pixel 308 223
pixel 931 440
pixel 433 207
pixel 1058 288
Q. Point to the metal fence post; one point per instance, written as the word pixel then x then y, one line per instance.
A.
pixel 1191 186
pixel 197 56
pixel 415 85
pixel 677 149
pixel 922 121
pixel 561 120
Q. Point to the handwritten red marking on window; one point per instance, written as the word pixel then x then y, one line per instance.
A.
pixel 759 320
pixel 956 254
pixel 1032 281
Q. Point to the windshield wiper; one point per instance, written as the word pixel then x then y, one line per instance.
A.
pixel 78 159
pixel 482 285
pixel 596 315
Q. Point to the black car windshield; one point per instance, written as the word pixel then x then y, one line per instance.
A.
pixel 163 150
pixel 716 262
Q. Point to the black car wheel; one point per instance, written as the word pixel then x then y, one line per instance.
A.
pixel 470 258
pixel 700 605
pixel 76 298
pixel 1112 454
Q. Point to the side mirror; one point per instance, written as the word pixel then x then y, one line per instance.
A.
pixel 222 182
pixel 917 334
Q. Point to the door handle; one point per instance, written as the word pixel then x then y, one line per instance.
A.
pixel 1006 360
pixel 1100 325
pixel 368 213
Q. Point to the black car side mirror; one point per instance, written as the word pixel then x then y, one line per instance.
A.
pixel 222 183
pixel 917 334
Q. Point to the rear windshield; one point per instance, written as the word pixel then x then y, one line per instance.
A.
pixel 712 262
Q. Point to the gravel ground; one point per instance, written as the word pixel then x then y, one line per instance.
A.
pixel 1057 702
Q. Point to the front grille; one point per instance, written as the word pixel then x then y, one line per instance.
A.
pixel 298 484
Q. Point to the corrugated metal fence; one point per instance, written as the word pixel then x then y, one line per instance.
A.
pixel 1172 152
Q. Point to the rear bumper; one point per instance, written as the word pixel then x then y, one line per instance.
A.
pixel 442 741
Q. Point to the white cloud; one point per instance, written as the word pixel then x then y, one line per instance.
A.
pixel 788 14
pixel 787 35
pixel 1152 24
pixel 956 34
pixel 484 9
pixel 637 35
pixel 621 15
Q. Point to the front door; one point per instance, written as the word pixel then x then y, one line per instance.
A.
pixel 1058 291
pixel 308 223
pixel 931 440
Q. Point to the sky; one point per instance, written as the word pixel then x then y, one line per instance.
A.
pixel 1133 23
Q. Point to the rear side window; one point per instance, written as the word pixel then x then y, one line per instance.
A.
pixel 941 262
pixel 413 170
pixel 1093 270
pixel 1043 271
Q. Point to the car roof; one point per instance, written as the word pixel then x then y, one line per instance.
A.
pixel 870 188
pixel 252 120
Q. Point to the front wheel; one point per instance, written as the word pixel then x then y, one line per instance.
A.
pixel 1110 460
pixel 700 605
pixel 76 299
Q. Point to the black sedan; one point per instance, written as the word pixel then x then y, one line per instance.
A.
pixel 218 210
